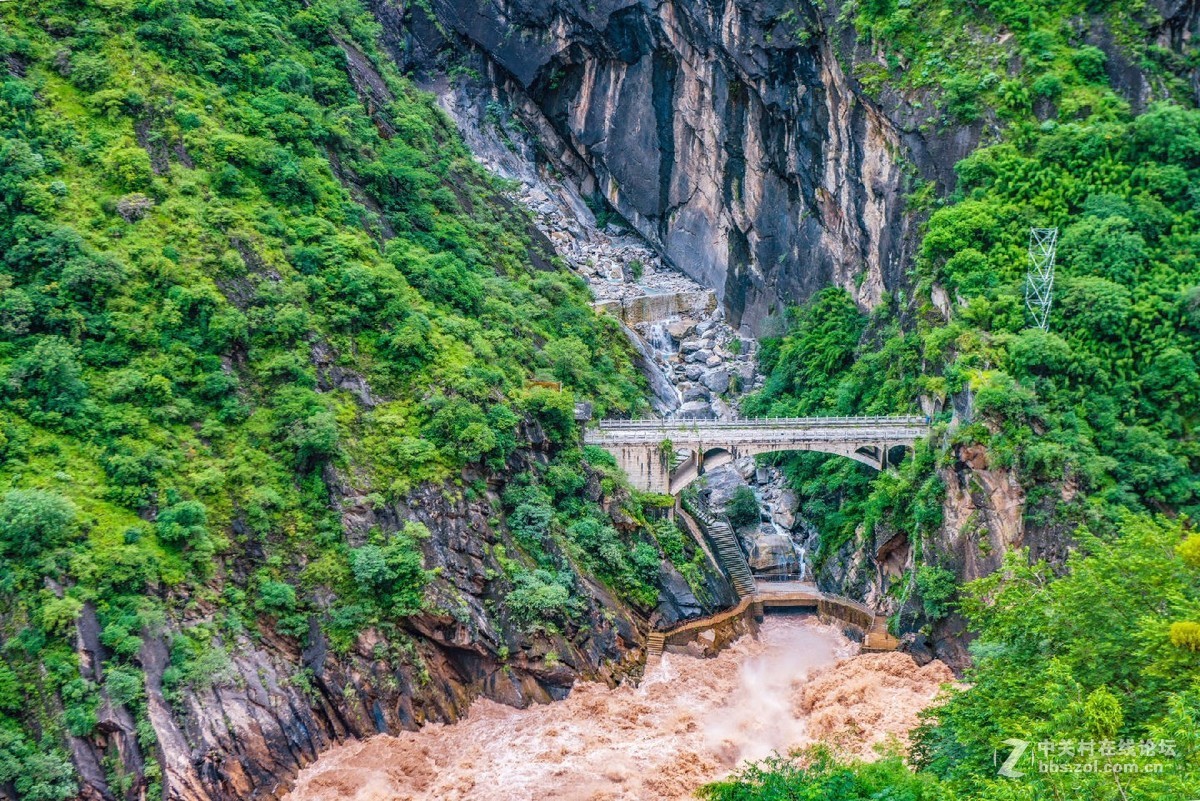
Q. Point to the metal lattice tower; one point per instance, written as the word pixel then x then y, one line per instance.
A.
pixel 1039 283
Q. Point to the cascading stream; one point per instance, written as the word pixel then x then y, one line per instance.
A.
pixel 666 397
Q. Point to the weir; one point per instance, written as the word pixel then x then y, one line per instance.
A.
pixel 756 596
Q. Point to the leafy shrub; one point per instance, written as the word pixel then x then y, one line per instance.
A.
pixel 554 411
pixel 278 597
pixel 58 615
pixel 183 523
pixel 1189 551
pixel 1185 634
pixel 936 585
pixel 742 509
pixel 541 599
pixel 49 376
pixel 817 774
pixel 1000 396
pixel 391 575
pixel 33 521
pixel 37 771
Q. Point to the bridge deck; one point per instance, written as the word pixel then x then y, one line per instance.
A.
pixel 764 422
pixel 759 430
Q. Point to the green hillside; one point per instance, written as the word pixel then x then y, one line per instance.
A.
pixel 240 255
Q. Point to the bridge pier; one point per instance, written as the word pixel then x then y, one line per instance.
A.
pixel 648 468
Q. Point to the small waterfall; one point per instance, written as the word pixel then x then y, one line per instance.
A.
pixel 797 553
pixel 666 397
pixel 659 339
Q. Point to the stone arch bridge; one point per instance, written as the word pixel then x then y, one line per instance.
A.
pixel 649 450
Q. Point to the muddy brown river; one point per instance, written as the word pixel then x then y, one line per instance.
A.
pixel 691 721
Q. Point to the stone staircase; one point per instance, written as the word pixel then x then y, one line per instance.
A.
pixel 726 544
pixel 878 639
pixel 655 641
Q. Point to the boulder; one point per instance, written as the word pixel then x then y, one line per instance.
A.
pixel 681 330
pixel 696 392
pixel 784 509
pixel 691 345
pixel 695 410
pixel 747 468
pixel 716 380
pixel 713 360
pixel 676 601
pixel 918 648
pixel 770 552
pixel 719 484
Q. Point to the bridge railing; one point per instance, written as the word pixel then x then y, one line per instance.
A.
pixel 655 423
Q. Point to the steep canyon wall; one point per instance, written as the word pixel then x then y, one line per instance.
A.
pixel 728 134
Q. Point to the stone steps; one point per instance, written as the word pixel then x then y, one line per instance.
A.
pixel 655 641
pixel 878 639
pixel 728 551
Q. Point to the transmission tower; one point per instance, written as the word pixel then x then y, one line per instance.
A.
pixel 1039 283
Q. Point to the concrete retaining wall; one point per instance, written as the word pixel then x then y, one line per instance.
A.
pixel 707 637
pixel 830 609
pixel 649 308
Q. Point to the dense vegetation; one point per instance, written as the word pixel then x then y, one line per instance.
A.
pixel 248 273
pixel 557 522
pixel 950 61
pixel 1106 401
pixel 1096 416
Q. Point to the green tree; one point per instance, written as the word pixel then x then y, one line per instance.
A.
pixel 937 586
pixel 742 509
pixel 50 377
pixel 34 521
pixel 183 523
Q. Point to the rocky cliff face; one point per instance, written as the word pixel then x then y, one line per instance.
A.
pixel 987 513
pixel 734 137
pixel 244 730
pixel 727 134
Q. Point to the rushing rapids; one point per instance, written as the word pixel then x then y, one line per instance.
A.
pixel 690 722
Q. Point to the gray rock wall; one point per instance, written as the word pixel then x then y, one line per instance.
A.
pixel 727 134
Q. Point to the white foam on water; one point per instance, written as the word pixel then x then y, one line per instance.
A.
pixel 691 721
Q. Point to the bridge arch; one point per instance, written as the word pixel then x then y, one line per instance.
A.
pixel 647 449
pixel 694 465
pixel 877 457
